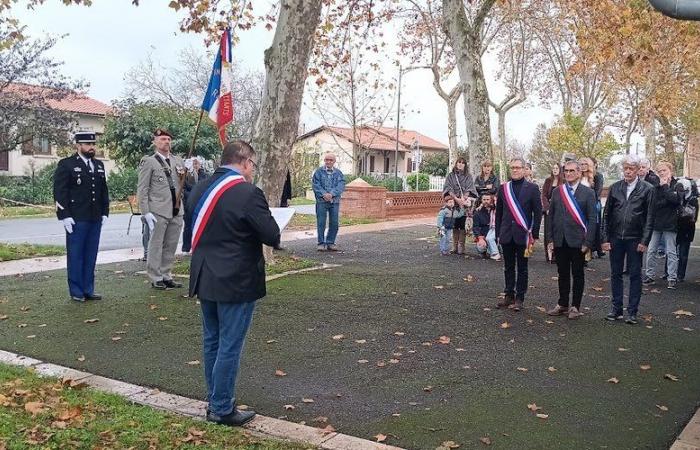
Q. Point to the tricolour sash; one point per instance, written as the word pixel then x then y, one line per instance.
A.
pixel 208 202
pixel 572 206
pixel 519 215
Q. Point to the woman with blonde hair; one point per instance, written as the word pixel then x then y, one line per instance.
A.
pixel 487 182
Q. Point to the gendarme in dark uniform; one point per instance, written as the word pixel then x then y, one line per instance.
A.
pixel 82 205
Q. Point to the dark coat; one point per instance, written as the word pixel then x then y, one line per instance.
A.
pixel 507 230
pixel 227 265
pixel 481 222
pixel 561 224
pixel 628 218
pixel 78 193
pixel 667 199
pixel 487 186
pixel 652 178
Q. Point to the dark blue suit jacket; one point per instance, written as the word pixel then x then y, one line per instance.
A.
pixel 507 229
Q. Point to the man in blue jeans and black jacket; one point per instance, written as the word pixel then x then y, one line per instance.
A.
pixel 328 184
pixel 628 221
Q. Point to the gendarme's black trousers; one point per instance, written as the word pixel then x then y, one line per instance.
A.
pixel 570 263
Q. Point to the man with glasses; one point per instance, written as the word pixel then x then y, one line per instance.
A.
pixel 572 227
pixel 518 215
pixel 628 221
pixel 328 184
pixel 232 221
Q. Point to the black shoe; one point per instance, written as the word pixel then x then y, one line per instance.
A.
pixel 648 281
pixel 93 297
pixel 160 285
pixel 613 316
pixel 172 284
pixel 77 299
pixel 235 419
pixel 632 320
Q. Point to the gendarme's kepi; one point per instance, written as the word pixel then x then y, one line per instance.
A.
pixel 85 137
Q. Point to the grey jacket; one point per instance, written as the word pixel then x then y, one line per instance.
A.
pixel 561 224
pixel 460 185
pixel 153 190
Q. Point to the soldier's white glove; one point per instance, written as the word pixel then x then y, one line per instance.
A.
pixel 104 219
pixel 150 220
pixel 68 223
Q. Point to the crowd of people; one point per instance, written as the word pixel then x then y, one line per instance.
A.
pixel 648 218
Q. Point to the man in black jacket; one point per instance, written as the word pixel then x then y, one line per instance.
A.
pixel 232 221
pixel 627 226
pixel 668 195
pixel 513 235
pixel 572 227
pixel 82 205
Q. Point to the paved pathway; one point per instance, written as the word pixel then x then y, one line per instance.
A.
pixel 106 256
pixel 266 426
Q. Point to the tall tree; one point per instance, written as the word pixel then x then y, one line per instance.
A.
pixel 464 25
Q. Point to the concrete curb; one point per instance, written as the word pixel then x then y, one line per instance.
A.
pixel 689 439
pixel 265 426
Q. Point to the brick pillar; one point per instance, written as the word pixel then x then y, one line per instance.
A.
pixel 360 200
pixel 691 165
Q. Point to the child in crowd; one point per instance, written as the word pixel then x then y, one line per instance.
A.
pixel 446 222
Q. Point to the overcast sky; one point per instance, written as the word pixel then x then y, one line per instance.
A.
pixel 107 39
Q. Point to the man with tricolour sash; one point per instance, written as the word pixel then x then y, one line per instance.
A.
pixel 572 227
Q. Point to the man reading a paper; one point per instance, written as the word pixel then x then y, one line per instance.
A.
pixel 231 222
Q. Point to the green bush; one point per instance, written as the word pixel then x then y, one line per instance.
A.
pixel 37 190
pixel 393 184
pixel 423 181
pixel 122 184
pixel 435 164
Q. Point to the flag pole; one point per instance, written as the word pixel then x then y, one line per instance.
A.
pixel 196 132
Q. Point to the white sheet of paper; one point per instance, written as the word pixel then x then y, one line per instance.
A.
pixel 282 216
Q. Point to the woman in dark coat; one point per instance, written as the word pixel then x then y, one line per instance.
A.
pixel 487 182
pixel 460 185
pixel 551 183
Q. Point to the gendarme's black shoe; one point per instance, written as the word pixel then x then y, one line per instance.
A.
pixel 235 419
pixel 77 299
pixel 172 284
pixel 159 285
pixel 93 297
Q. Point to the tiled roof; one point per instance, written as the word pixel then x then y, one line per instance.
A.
pixel 73 102
pixel 382 138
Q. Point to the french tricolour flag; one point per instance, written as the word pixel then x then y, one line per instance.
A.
pixel 218 101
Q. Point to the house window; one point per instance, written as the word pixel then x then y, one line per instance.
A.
pixel 36 146
pixel 409 165
pixel 371 163
pixel 386 165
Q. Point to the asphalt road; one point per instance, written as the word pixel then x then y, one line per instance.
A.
pixel 50 230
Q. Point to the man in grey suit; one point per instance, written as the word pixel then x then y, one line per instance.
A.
pixel 572 228
pixel 158 194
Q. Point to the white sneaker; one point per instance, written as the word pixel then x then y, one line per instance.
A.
pixel 496 257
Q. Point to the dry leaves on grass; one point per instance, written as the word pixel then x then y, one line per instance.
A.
pixel 280 373
pixel 380 437
pixel 338 337
pixel 542 416
pixel 94 320
pixel 194 436
pixel 328 429
pixel 613 380
pixel 34 407
pixel 671 377
pixel 444 340
pixel 551 369
pixel 645 367
pixel 522 369
pixel 289 407
pixel 505 325
pixel 4 317
pixel 682 312
pixel 194 362
pixel 662 407
pixel 533 407
pixel 307 400
pixel 448 445
pixel 485 440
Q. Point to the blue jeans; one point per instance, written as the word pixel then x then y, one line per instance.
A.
pixel 224 327
pixel 323 209
pixel 444 241
pixel 625 249
pixel 491 245
pixel 81 250
pixel 659 239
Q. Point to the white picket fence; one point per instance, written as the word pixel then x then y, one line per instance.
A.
pixel 436 183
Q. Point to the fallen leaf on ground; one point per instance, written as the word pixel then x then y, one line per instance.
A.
pixel 69 414
pixel 161 318
pixel 280 373
pixel 270 341
pixel 22 325
pixel 116 338
pixel 61 425
pixel 551 369
pixel 682 312
pixel 380 437
pixel 541 309
pixel 361 341
pixel 338 337
pixel 622 349
pixel 362 361
pixel 485 440
pixel 449 445
pixel 307 400
pixel 460 350
pixel 328 429
pixel 393 361
pixel 555 278
pixel 655 291
pixel 469 278
pixel 662 407
pixel 487 309
pixel 194 362
pixel 152 306
pixel 81 358
pixel 597 288
pixel 321 419
pixel 399 333
pixel 687 329
pixel 381 364
pixel 4 316
pixel 542 416
pixel 24 308
pixel 34 407
pixel 428 389
pixel 522 369
pixel 613 380
pixel 31 336
pixel 645 367
pixel 533 407
pixel 549 321
pixel 288 407
pixel 671 377
pixel 505 325
pixel 91 320
pixel 438 287
pixel 444 339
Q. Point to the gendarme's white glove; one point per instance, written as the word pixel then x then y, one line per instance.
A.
pixel 150 220
pixel 68 223
pixel 104 219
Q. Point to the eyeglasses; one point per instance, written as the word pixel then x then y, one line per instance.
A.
pixel 516 167
pixel 569 170
pixel 255 165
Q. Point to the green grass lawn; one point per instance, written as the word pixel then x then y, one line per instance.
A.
pixel 43 413
pixel 398 341
pixel 283 262
pixel 301 201
pixel 15 212
pixel 306 221
pixel 9 252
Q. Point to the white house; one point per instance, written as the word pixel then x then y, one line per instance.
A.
pixel 376 147
pixel 33 155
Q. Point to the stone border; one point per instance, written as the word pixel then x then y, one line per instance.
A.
pixel 269 277
pixel 154 398
pixel 689 439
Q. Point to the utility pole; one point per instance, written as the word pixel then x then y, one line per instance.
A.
pixel 398 120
